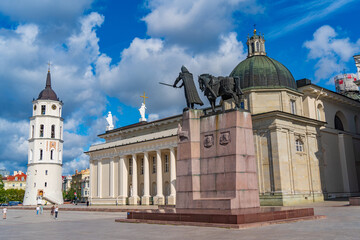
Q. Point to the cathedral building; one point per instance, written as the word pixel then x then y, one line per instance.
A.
pixel 44 181
pixel 307 142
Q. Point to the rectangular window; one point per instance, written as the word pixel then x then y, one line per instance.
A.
pixel 34 184
pixel 299 145
pixel 166 169
pixel 154 165
pixel 43 109
pixel 293 106
pixel 20 184
pixel 41 130
pixel 51 154
pixel 130 166
pixel 46 172
pixel 41 154
pixel 32 131
pixel 45 184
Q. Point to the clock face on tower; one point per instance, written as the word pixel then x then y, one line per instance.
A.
pixel 53 106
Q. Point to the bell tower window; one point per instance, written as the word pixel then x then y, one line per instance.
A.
pixel 41 154
pixel 43 109
pixel 52 131
pixel 41 130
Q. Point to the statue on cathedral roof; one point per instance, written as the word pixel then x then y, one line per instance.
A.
pixel 142 112
pixel 110 122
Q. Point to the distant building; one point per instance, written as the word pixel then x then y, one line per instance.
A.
pixel 80 179
pixel 85 188
pixel 66 185
pixel 4 173
pixel 16 181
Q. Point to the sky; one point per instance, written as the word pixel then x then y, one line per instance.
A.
pixel 106 53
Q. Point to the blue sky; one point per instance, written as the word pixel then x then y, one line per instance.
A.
pixel 106 53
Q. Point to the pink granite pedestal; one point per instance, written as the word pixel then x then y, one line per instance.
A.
pixel 216 179
pixel 216 165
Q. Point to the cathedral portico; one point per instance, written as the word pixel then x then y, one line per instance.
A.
pixel 129 171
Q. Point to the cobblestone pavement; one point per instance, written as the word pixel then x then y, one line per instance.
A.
pixel 343 222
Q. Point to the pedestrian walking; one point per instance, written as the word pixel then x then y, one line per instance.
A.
pixel 52 210
pixel 37 210
pixel 41 209
pixel 56 211
pixel 4 212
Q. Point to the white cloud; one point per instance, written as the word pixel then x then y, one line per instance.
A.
pixel 73 79
pixel 14 144
pixel 153 117
pixel 330 51
pixel 194 23
pixel 80 163
pixel 149 61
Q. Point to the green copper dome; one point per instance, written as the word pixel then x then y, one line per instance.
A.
pixel 263 72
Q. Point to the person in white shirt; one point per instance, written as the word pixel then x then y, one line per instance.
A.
pixel 4 212
pixel 56 211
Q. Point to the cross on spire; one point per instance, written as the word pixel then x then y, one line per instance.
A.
pixel 49 65
pixel 144 97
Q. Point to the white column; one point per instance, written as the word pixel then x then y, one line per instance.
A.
pixel 134 198
pixel 91 180
pixel 146 198
pixel 123 181
pixel 111 180
pixel 159 184
pixel 99 180
pixel 172 197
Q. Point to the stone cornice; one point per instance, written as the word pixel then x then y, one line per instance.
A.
pixel 289 117
pixel 272 89
pixel 315 91
pixel 44 163
pixel 140 126
pixel 132 148
pixel 45 116
pixel 43 138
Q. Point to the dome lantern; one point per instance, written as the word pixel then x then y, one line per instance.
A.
pixel 261 71
pixel 256 45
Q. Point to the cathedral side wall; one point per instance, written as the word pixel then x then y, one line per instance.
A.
pixel 287 176
pixel 266 100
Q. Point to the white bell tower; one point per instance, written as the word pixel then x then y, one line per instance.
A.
pixel 44 181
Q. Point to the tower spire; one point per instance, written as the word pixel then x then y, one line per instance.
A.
pixel 48 80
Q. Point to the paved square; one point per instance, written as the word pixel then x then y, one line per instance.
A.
pixel 343 222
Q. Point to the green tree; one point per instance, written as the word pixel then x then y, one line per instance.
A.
pixel 70 194
pixel 15 194
pixel 2 195
pixel 1 182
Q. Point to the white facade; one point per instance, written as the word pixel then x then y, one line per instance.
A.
pixel 45 152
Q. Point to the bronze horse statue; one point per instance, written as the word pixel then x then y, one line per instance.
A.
pixel 224 87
